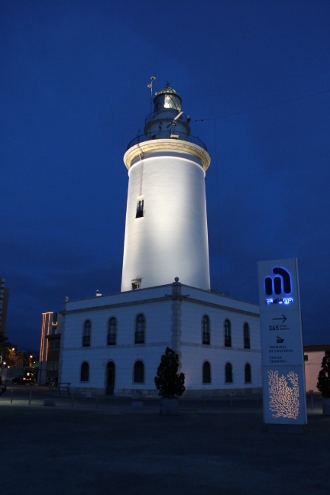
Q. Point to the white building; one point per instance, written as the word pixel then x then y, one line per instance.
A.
pixel 113 344
pixel 313 355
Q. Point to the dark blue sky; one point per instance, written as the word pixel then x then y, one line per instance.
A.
pixel 74 78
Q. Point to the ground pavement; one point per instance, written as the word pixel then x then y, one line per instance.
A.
pixel 98 446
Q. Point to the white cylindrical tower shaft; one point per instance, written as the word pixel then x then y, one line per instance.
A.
pixel 166 223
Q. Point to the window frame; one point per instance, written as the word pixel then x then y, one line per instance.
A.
pixel 227 333
pixel 206 333
pixel 84 373
pixel 206 373
pixel 112 335
pixel 136 284
pixel 87 331
pixel 138 373
pixel 140 329
pixel 229 373
pixel 247 373
pixel 246 336
pixel 140 208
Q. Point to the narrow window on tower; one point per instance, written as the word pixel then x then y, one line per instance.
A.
pixel 140 208
pixel 136 284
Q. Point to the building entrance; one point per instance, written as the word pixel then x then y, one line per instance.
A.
pixel 111 373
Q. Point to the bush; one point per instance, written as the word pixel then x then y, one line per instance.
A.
pixel 323 383
pixel 168 381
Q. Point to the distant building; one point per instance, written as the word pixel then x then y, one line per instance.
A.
pixel 49 347
pixel 4 294
pixel 313 355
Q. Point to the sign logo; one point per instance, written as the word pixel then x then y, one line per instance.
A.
pixel 278 284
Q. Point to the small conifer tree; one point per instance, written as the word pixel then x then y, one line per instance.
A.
pixel 168 381
pixel 323 383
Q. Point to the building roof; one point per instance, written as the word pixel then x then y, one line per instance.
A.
pixel 167 90
pixel 316 347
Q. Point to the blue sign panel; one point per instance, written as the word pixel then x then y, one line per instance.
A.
pixel 283 375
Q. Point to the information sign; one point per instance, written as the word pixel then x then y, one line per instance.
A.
pixel 284 395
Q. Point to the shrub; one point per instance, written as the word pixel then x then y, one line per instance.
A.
pixel 168 381
pixel 323 383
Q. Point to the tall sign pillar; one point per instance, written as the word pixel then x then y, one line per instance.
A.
pixel 283 375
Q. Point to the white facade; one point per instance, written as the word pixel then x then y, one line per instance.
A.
pixel 173 317
pixel 313 355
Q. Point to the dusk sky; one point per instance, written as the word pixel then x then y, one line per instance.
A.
pixel 255 78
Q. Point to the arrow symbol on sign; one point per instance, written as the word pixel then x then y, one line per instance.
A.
pixel 283 318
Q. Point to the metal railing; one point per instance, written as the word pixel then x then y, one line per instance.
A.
pixel 155 115
pixel 167 134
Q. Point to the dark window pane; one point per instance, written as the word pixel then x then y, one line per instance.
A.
pixel 228 373
pixel 139 329
pixel 246 332
pixel 247 373
pixel 138 372
pixel 227 333
pixel 206 372
pixel 86 340
pixel 140 209
pixel 84 372
pixel 206 330
pixel 112 331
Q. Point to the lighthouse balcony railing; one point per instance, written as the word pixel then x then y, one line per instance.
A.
pixel 167 134
pixel 170 112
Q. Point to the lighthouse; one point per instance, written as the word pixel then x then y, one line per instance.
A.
pixel 166 232
pixel 112 343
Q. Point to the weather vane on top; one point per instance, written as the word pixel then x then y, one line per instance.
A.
pixel 152 78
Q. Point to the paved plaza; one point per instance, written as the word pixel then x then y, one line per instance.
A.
pixel 106 446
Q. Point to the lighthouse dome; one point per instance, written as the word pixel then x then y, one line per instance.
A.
pixel 167 98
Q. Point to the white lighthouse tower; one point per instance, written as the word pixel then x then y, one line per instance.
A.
pixel 166 224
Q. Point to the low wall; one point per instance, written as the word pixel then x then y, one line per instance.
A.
pixel 137 394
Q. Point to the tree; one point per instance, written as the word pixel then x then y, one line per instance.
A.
pixel 323 383
pixel 168 381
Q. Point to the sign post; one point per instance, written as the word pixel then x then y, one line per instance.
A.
pixel 283 376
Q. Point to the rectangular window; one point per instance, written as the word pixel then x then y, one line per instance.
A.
pixel 136 284
pixel 139 337
pixel 140 208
